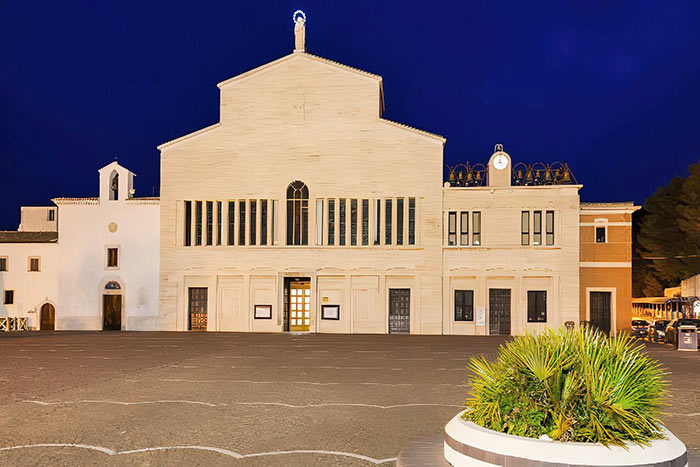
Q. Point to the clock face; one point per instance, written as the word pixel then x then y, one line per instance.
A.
pixel 500 162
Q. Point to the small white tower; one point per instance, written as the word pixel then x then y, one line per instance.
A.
pixel 116 183
pixel 499 167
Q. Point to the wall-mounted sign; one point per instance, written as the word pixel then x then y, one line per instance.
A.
pixel 263 312
pixel 330 311
pixel 696 308
pixel 481 316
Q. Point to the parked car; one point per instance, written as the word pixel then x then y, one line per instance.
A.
pixel 657 330
pixel 672 329
pixel 640 328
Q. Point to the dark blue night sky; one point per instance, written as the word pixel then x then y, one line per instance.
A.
pixel 613 88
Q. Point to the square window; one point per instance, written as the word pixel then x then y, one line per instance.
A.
pixel 34 264
pixel 3 263
pixel 9 297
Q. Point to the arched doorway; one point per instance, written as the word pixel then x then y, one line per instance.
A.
pixel 48 317
pixel 112 307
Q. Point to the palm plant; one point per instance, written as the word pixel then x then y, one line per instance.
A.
pixel 570 385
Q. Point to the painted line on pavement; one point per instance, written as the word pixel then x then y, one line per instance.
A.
pixel 224 452
pixel 209 404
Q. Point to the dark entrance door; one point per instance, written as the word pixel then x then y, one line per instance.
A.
pixel 48 317
pixel 198 308
pixel 499 311
pixel 399 311
pixel 600 310
pixel 112 312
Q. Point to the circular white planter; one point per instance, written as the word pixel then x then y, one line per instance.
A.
pixel 468 444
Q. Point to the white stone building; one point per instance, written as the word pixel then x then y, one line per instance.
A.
pixel 108 257
pixel 305 210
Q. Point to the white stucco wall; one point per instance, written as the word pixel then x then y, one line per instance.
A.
pixel 31 289
pixel 85 235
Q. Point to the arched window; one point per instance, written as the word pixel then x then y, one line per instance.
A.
pixel 114 186
pixel 297 213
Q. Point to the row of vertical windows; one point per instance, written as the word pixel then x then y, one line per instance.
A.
pixel 341 221
pixel 246 222
pixel 536 228
pixel 461 224
pixel 366 221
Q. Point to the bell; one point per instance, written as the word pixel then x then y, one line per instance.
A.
pixel 470 177
pixel 548 175
pixel 452 176
pixel 478 176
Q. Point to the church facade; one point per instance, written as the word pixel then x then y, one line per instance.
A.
pixel 304 210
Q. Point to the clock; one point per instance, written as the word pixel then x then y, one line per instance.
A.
pixel 500 162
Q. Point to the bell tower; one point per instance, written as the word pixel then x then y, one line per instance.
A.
pixel 499 168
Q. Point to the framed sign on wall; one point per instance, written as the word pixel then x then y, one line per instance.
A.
pixel 330 311
pixel 263 312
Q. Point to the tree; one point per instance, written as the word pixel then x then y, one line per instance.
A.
pixel 667 229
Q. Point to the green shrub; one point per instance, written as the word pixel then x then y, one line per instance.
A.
pixel 571 385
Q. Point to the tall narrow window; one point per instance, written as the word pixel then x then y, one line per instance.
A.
pixel 253 222
pixel 525 228
pixel 198 223
pixel 219 221
pixel 536 306
pixel 9 297
pixel 399 221
pixel 411 221
pixel 464 228
pixel 353 222
pixel 241 222
pixel 188 223
pixel 537 228
pixel 112 257
pixel 476 228
pixel 600 235
pixel 263 222
pixel 365 222
pixel 231 222
pixel 377 222
pixel 387 227
pixel 210 222
pixel 464 305
pixel 3 263
pixel 273 220
pixel 52 215
pixel 331 222
pixel 114 186
pixel 341 222
pixel 549 227
pixel 319 222
pixel 452 228
pixel 297 213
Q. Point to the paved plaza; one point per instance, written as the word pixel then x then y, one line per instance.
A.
pixel 72 398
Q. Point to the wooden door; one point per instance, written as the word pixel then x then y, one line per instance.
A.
pixel 198 299
pixel 499 311
pixel 399 311
pixel 600 310
pixel 299 305
pixel 48 317
pixel 112 312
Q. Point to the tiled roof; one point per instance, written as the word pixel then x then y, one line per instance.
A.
pixel 15 236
